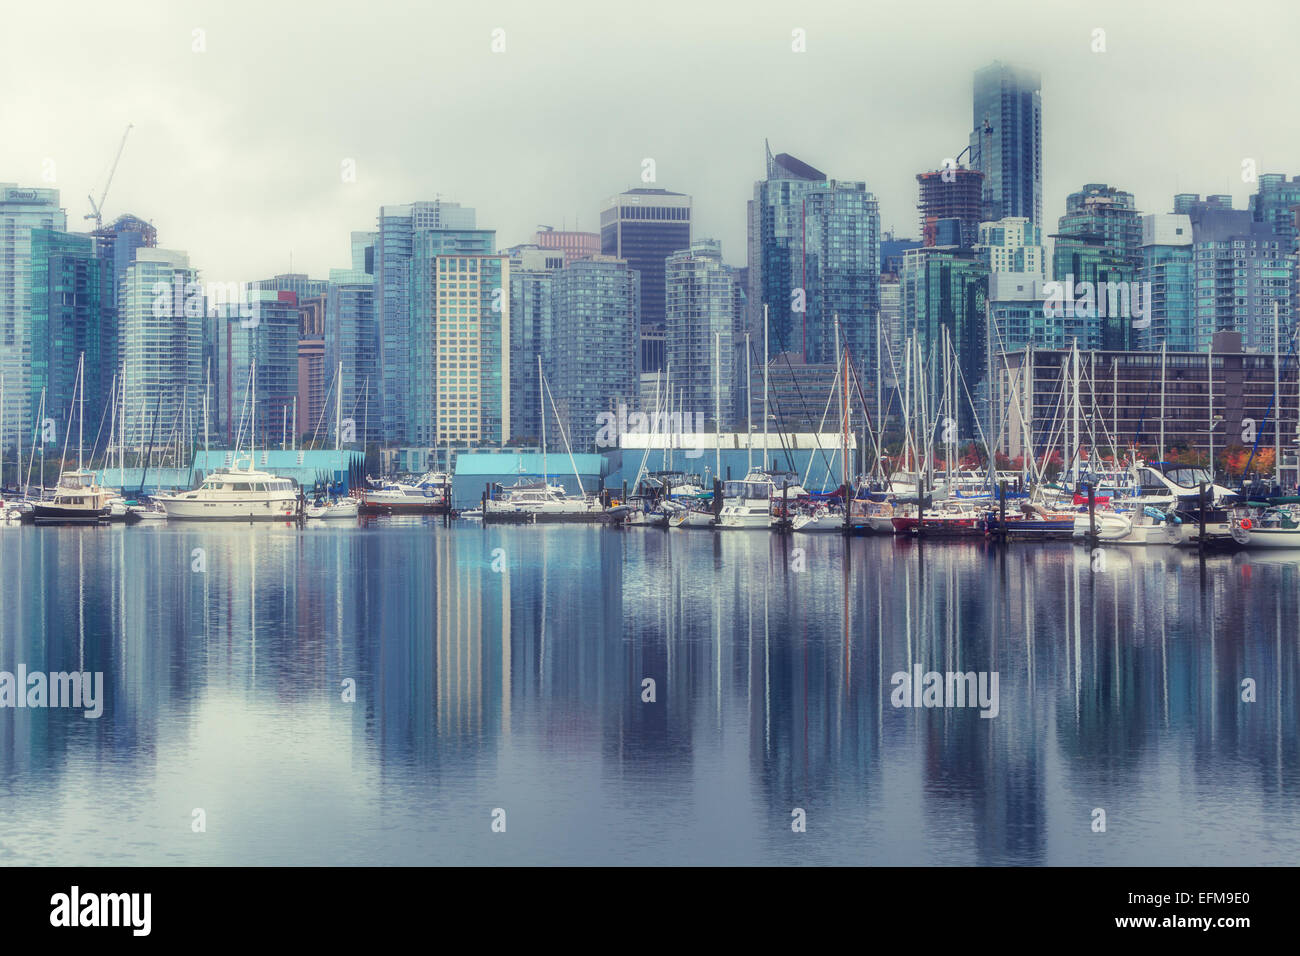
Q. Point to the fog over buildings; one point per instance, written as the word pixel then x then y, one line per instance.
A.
pixel 243 134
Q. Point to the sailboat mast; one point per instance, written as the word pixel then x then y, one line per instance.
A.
pixel 749 411
pixel 717 402
pixel 1277 401
pixel 81 419
pixel 1161 455
pixel 338 406
pixel 541 407
pixel 765 365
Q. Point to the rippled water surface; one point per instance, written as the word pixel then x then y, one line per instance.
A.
pixel 503 668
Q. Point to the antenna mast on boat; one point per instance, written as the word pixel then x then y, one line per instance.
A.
pixel 717 402
pixel 749 410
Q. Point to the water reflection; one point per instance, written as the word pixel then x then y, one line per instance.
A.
pixel 506 667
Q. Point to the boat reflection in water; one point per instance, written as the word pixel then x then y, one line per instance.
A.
pixel 341 693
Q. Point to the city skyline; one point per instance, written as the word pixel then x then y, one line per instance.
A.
pixel 241 187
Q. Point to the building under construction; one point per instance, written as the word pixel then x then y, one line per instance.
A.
pixel 950 206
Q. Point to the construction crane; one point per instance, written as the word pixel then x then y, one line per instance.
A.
pixel 97 208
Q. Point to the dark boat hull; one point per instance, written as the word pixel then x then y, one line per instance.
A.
pixel 52 514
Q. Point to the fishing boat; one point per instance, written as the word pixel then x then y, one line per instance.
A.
pixel 77 500
pixel 235 494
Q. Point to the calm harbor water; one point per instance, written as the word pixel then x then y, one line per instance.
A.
pixel 503 668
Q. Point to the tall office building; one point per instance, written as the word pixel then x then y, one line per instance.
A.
pixel 814 255
pixel 117 242
pixel 596 314
pixel 460 340
pixel 296 282
pixel 704 333
pixel 352 338
pixel 946 289
pixel 315 381
pixel 161 344
pixel 21 211
pixel 269 337
pixel 645 226
pixel 532 273
pixel 1006 142
pixel 72 314
pixel 393 250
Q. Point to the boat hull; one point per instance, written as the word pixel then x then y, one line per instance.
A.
pixel 54 514
pixel 205 510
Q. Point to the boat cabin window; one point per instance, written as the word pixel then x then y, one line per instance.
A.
pixel 1188 477
pixel 1151 483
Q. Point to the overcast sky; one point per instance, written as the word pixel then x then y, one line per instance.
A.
pixel 236 151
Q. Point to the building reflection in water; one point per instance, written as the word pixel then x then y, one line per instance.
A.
pixel 499 659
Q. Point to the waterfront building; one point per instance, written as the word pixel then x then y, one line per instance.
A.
pixel 352 338
pixel 532 325
pixel 1121 401
pixel 596 318
pixel 1168 270
pixel 315 381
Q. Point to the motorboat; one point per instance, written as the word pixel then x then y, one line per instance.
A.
pixel 235 494
pixel 77 499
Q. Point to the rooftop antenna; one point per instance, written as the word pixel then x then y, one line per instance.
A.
pixel 97 208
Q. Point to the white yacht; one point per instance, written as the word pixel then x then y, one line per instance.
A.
pixel 748 504
pixel 538 501
pixel 235 494
pixel 341 508
pixel 427 495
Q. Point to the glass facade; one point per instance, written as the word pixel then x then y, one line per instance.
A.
pixel 72 312
pixel 271 339
pixel 161 342
pixel 1006 141
pixel 597 319
pixel 532 333
pixel 704 334
pixel 351 337
pixel 21 210
pixel 1099 241
pixel 822 237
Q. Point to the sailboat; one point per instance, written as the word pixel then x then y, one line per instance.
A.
pixel 529 501
pixel 78 499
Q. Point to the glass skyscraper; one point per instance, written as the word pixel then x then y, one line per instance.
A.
pixel 814 255
pixel 21 211
pixel 645 226
pixel 1006 141
pixel 704 333
pixel 352 338
pixel 270 337
pixel 532 334
pixel 393 251
pixel 161 342
pixel 72 313
pixel 596 305
pixel 1167 259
